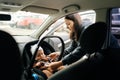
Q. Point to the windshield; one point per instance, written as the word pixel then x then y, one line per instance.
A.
pixel 22 23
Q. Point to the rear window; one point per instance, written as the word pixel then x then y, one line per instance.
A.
pixel 115 22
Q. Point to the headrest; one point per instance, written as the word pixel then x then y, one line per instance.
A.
pixel 10 58
pixel 93 37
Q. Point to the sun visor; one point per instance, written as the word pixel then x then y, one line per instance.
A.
pixel 14 5
pixel 39 9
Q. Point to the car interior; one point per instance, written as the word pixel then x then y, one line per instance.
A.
pixel 102 59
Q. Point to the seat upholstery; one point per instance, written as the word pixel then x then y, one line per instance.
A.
pixel 86 68
pixel 93 37
pixel 10 59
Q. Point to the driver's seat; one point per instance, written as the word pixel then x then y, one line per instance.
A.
pixel 10 59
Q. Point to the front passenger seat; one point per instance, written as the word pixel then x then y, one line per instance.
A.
pixel 88 67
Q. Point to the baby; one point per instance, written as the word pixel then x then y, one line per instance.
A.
pixel 42 60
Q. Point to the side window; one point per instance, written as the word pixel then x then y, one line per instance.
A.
pixel 115 23
pixel 87 17
pixel 59 28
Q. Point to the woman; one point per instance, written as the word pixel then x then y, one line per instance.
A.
pixel 73 52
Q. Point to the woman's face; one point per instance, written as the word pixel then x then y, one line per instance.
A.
pixel 70 24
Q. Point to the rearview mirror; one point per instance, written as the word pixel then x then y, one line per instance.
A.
pixel 5 17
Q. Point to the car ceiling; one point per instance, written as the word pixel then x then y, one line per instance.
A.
pixel 54 6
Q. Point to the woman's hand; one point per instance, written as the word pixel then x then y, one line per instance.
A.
pixel 55 65
pixel 53 56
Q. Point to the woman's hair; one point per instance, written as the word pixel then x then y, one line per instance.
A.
pixel 77 25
